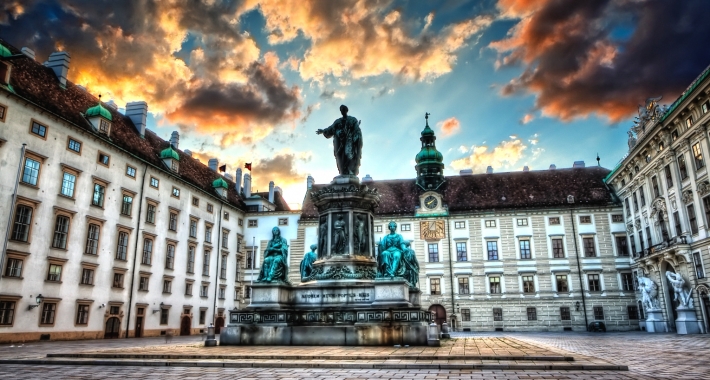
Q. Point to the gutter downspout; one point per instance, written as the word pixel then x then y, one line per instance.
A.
pixel 135 251
pixel 579 269
pixel 451 273
pixel 12 208
pixel 219 256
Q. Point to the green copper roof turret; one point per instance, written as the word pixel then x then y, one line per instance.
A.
pixel 99 110
pixel 4 52
pixel 220 182
pixel 169 152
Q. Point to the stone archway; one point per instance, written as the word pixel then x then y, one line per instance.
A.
pixel 185 325
pixel 439 313
pixel 113 327
pixel 218 324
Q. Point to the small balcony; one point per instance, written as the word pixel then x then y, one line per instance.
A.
pixel 668 249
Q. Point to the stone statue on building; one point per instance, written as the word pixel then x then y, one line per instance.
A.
pixel 340 237
pixel 307 262
pixel 649 293
pixel 347 142
pixel 632 140
pixel 411 266
pixel 681 293
pixel 391 250
pixel 274 268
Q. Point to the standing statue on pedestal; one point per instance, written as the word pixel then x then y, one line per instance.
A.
pixel 359 234
pixel 682 295
pixel 391 249
pixel 274 268
pixel 307 262
pixel 340 237
pixel 411 265
pixel 347 142
pixel 649 293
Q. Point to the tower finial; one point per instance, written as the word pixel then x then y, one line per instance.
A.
pixel 426 117
pixel 598 164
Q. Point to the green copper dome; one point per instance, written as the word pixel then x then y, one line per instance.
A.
pixel 169 152
pixel 429 154
pixel 99 110
pixel 4 52
pixel 220 182
pixel 427 131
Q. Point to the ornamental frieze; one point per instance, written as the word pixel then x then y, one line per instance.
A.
pixel 687 196
pixel 630 229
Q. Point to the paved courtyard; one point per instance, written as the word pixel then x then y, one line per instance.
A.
pixel 662 356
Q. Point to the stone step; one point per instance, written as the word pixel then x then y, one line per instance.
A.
pixel 419 357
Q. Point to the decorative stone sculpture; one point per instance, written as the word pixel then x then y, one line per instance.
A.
pixel 307 262
pixel 274 268
pixel 682 295
pixel 632 140
pixel 411 266
pixel 649 293
pixel 360 233
pixel 340 236
pixel 347 142
pixel 391 250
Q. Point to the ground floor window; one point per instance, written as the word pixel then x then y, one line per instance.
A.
pixel 7 312
pixel 497 314
pixel 632 311
pixel 466 315
pixel 532 314
pixel 564 314
pixel 598 313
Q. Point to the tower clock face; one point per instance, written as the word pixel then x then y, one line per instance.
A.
pixel 430 202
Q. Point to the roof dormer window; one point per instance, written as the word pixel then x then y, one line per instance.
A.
pixel 171 159
pixel 100 118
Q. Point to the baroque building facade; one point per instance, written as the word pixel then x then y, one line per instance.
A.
pixel 665 189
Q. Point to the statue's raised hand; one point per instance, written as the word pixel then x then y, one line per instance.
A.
pixel 319 132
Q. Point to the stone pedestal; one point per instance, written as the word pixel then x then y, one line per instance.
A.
pixel 655 322
pixel 687 322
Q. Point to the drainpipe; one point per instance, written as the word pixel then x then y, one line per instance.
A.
pixel 219 259
pixel 135 251
pixel 451 272
pixel 579 270
pixel 12 208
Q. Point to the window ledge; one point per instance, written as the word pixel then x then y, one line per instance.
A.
pixel 86 284
pixel 15 277
pixel 97 206
pixel 52 282
pixel 167 293
pixel 143 290
pixel 66 196
pixel 29 185
pixel 18 242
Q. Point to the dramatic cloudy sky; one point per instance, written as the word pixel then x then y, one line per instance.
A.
pixel 508 83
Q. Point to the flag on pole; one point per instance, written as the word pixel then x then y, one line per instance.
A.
pixel 223 168
pixel 248 166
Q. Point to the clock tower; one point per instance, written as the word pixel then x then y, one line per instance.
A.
pixel 430 162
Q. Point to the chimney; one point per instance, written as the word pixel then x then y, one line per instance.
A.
pixel 367 178
pixel 112 104
pixel 213 163
pixel 28 52
pixel 59 63
pixel 238 181
pixel 526 168
pixel 277 189
pixel 247 185
pixel 310 181
pixel 228 176
pixel 138 113
pixel 175 139
pixel 553 166
pixel 578 165
pixel 188 152
pixel 466 172
pixel 271 191
pixel 489 170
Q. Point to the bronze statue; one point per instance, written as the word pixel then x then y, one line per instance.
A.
pixel 274 269
pixel 307 262
pixel 391 249
pixel 340 237
pixel 347 142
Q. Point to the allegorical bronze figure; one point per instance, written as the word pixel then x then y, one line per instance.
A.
pixel 347 142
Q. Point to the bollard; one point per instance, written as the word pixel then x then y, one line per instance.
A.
pixel 210 341
pixel 433 335
pixel 445 331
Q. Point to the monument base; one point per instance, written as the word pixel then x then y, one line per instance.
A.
pixel 655 322
pixel 687 322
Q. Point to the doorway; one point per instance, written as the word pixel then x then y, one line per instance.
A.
pixel 218 324
pixel 439 314
pixel 705 300
pixel 139 326
pixel 112 328
pixel 185 325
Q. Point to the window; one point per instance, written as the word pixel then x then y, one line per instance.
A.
pixel 203 290
pixel 497 314
pixel 167 286
pixel 147 251
pixel 621 248
pixel 435 286
pixel 247 292
pixel 628 208
pixel 193 228
pixel 636 203
pixel 225 238
pixel 98 198
pixel 7 312
pixel 525 249
pixel 188 288
pixel 528 284
pixel 642 196
pixel 682 167
pixel 463 285
pixel 561 281
pixel 130 171
pixel 589 250
pixel 143 284
pixel 532 314
pixel 406 227
pixel 118 280
pixel 522 222
pixel 705 107
pixel 689 122
pixel 191 259
pixel 13 267
pixel 172 224
pixel 699 272
pixel 632 311
pixel 490 223
pixel 103 159
pixel 706 205
pixel 22 223
pixel 38 129
pixel 641 240
pixel 594 284
pixel 465 315
pixel 250 255
pixel 654 184
pixel 55 273
pixel 73 145
pixel 377 228
pixel 68 182
pixel 92 239
pixel 164 314
pixel 692 219
pixel 203 316
pixel 558 250
pixel 669 176
pixel 210 207
pixel 122 245
pixel 240 222
pixel 208 234
pixel 460 225
pixel 48 311
pixel 255 223
pixel 598 313
pixel 282 221
pixel 206 263
pixel 226 215
pixel 30 173
pixel 127 205
pixel 433 253
pixel 585 219
pixel 223 268
pixel 176 192
pixel 82 314
pixel 3 112
pixel 170 257
pixel 87 276
pixel 61 231
pixel 617 218
pixel 698 157
pixel 554 220
pixel 154 182
pixel 492 249
pixel 494 285
pixel 627 282
pixel 461 252
pixel 565 314
pixel 221 292
pixel 236 292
